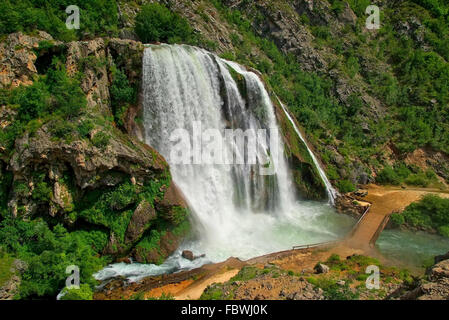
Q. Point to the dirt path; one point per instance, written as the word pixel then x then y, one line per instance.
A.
pixel 195 291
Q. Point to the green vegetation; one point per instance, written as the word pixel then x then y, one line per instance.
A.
pixel 345 186
pixel 84 292
pixel 332 290
pixel 54 98
pixel 401 173
pixel 430 213
pixel 414 93
pixel 5 267
pixel 156 23
pixel 97 17
pixel 246 273
pixel 48 250
pixel 122 95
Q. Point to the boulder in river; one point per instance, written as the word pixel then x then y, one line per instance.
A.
pixel 186 254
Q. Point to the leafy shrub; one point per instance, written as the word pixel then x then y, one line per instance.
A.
pixel 122 94
pixel 388 176
pixel 403 174
pixel 444 231
pixel 345 186
pixel 101 139
pixel 5 267
pixel 432 212
pixel 417 180
pixel 155 22
pixel 42 192
pixel 83 293
pixel 85 127
pixel 48 251
pixel 397 219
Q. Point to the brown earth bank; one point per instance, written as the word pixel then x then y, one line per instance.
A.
pixel 291 275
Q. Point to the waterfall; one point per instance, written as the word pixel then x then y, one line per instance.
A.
pixel 238 209
pixel 331 192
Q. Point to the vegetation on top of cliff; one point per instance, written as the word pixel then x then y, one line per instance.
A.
pixel 98 17
pixel 347 127
pixel 156 23
pixel 430 213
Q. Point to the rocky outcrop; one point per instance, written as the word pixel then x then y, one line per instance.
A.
pixel 271 283
pixel 435 287
pixel 17 58
pixel 89 57
pixel 348 204
pixel 70 169
pixel 93 167
pixel 426 158
pixel 163 247
pixel 142 217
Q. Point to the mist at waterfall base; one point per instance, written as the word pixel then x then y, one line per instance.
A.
pixel 235 212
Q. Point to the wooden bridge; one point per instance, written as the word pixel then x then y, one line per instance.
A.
pixel 384 202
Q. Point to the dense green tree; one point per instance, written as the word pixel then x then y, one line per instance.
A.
pixel 155 22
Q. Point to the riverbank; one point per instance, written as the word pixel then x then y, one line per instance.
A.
pixel 191 284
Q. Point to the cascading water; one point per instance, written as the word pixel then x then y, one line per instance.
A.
pixel 331 192
pixel 236 211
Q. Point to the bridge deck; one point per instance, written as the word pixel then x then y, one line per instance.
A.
pixel 383 204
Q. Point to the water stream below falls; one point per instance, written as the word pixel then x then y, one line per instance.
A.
pixel 238 209
pixel 414 250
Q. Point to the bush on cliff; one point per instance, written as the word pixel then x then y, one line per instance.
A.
pixel 155 22
pixel 122 95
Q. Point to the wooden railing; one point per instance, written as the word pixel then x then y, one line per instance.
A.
pixel 379 230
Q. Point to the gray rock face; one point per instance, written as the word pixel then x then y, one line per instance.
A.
pixel 95 81
pixel 347 15
pixel 140 221
pixel 17 58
